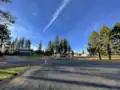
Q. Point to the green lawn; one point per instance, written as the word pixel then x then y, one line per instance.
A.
pixel 4 76
pixel 31 57
pixel 5 73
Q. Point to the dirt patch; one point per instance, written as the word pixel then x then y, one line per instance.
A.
pixel 17 81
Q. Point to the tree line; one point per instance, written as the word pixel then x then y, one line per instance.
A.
pixel 58 46
pixel 21 43
pixel 106 42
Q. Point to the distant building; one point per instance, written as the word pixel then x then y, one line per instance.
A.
pixel 24 52
pixel 84 55
pixel 78 54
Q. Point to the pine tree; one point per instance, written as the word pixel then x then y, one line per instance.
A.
pixel 18 46
pixel 6 17
pixel 28 44
pixel 56 44
pixel 83 52
pixel 4 34
pixel 40 46
pixel 22 42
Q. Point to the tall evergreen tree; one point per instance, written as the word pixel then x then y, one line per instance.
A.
pixel 115 38
pixel 22 42
pixel 4 34
pixel 72 53
pixel 18 46
pixel 104 35
pixel 50 46
pixel 61 46
pixel 13 46
pixel 40 46
pixel 95 44
pixel 6 17
pixel 83 52
pixel 56 44
pixel 69 49
pixel 15 41
pixel 65 46
pixel 28 44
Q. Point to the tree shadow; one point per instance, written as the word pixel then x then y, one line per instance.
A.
pixel 85 63
pixel 110 76
pixel 75 82
pixel 56 69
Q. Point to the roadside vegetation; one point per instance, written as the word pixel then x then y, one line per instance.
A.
pixel 106 42
pixel 6 73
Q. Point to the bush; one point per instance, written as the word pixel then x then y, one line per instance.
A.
pixel 48 53
pixel 39 52
pixel 1 54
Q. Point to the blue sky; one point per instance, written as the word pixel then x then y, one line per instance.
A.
pixel 72 19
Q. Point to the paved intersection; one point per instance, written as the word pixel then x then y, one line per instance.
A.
pixel 66 78
pixel 65 75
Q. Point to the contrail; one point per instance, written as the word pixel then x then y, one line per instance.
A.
pixel 57 13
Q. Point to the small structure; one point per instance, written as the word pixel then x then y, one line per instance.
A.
pixel 24 52
pixel 79 54
pixel 84 55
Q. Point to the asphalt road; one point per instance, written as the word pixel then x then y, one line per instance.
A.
pixel 64 75
pixel 15 61
pixel 66 78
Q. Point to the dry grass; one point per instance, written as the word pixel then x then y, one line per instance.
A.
pixel 103 58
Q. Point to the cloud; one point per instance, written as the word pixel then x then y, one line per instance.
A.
pixel 17 30
pixel 85 46
pixel 34 47
pixel 57 13
pixel 24 29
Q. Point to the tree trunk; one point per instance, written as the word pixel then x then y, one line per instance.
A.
pixel 1 47
pixel 1 43
pixel 109 51
pixel 109 57
pixel 99 55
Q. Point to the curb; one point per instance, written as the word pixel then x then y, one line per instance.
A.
pixel 3 82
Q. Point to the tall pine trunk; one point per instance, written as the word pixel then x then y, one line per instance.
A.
pixel 99 55
pixel 1 47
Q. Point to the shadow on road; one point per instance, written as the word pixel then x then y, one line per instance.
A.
pixel 110 76
pixel 75 82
